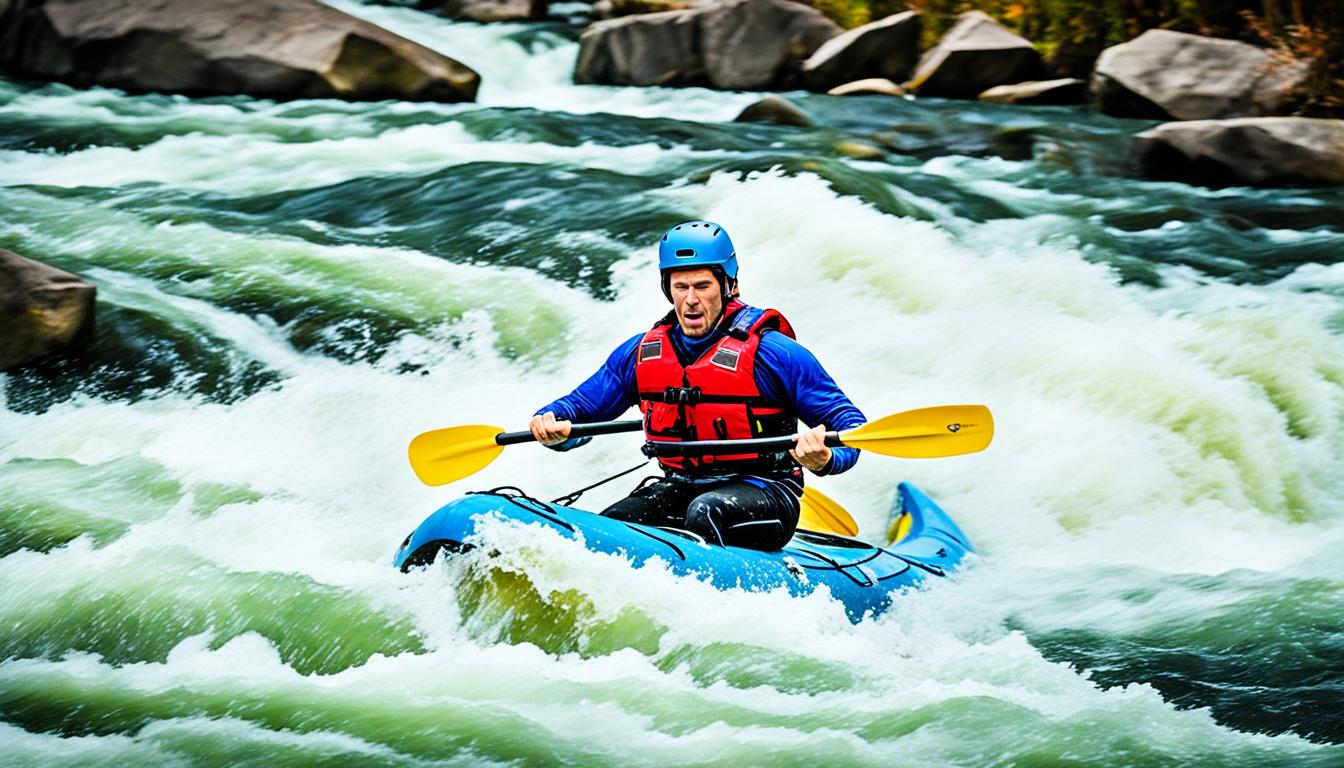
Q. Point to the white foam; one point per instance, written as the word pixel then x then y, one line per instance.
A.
pixel 1191 429
pixel 541 76
pixel 258 163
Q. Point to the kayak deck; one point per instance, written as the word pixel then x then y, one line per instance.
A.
pixel 862 576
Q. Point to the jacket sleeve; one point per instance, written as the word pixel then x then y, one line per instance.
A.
pixel 788 373
pixel 601 397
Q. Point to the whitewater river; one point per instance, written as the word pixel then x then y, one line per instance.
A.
pixel 197 517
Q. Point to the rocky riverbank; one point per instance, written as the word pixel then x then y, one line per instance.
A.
pixel 1160 75
pixel 303 49
pixel 285 49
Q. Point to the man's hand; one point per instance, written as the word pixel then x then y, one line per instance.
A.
pixel 811 450
pixel 548 431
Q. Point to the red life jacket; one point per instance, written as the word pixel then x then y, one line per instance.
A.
pixel 714 397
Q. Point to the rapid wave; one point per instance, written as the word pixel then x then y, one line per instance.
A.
pixel 196 531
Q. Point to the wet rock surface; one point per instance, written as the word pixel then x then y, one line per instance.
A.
pixel 872 86
pixel 887 49
pixel 1166 75
pixel 491 10
pixel 270 48
pixel 1254 151
pixel 610 9
pixel 737 45
pixel 42 309
pixel 976 54
pixel 1065 90
pixel 776 110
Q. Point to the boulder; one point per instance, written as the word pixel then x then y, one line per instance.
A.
pixel 759 44
pixel 491 10
pixel 649 49
pixel 773 109
pixel 884 49
pixel 1066 90
pixel 868 86
pixel 872 86
pixel 1166 75
pixel 42 309
pixel 1256 151
pixel 739 45
pixel 859 150
pixel 268 48
pixel 976 54
pixel 610 9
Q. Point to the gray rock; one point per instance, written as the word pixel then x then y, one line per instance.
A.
pixel 1066 90
pixel 269 48
pixel 859 150
pixel 884 49
pixel 739 45
pixel 773 109
pixel 492 10
pixel 759 44
pixel 872 86
pixel 976 54
pixel 609 9
pixel 1174 75
pixel 42 309
pixel 648 49
pixel 1256 151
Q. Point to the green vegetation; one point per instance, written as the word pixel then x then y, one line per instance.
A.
pixel 853 13
pixel 1072 32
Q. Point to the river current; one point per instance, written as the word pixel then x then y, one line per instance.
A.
pixel 197 516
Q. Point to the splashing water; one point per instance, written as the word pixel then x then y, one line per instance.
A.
pixel 197 514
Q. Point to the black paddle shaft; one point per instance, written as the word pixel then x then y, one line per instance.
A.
pixel 658 448
pixel 712 447
pixel 577 430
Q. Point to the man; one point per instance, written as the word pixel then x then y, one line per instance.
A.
pixel 713 369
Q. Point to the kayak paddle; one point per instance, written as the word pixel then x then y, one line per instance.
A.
pixel 441 456
pixel 444 455
pixel 924 433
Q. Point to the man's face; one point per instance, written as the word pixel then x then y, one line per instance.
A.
pixel 697 300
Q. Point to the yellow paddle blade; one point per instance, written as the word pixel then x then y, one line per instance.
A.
pixel 899 528
pixel 819 512
pixel 926 433
pixel 444 455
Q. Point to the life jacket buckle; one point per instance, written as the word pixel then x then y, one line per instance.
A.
pixel 682 395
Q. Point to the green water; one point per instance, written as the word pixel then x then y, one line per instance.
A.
pixel 198 512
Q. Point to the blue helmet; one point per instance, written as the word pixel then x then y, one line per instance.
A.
pixel 694 244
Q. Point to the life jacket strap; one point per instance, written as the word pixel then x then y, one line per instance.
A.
pixel 741 327
pixel 693 395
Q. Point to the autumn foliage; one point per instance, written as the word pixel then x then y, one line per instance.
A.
pixel 1075 31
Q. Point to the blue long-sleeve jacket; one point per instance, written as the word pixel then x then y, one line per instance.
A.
pixel 785 372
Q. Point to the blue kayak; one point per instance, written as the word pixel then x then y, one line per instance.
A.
pixel 862 576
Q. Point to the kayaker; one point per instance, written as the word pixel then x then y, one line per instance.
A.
pixel 713 368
